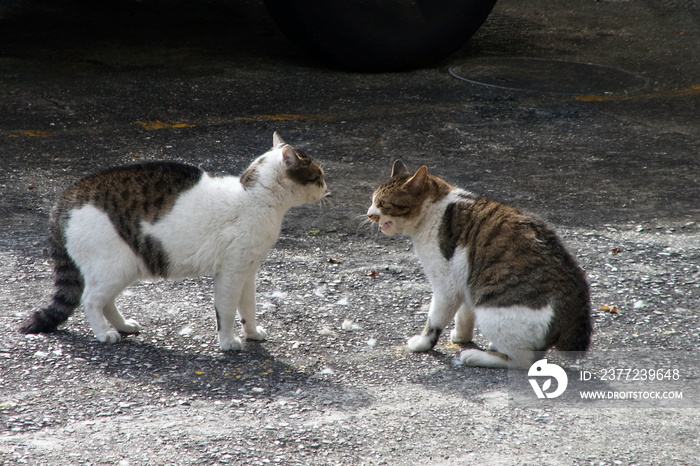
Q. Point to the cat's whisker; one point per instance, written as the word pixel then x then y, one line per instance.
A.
pixel 321 206
pixel 324 204
pixel 327 200
pixel 365 221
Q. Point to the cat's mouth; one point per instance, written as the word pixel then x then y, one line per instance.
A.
pixel 386 226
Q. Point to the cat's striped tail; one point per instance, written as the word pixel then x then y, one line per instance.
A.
pixel 576 339
pixel 68 289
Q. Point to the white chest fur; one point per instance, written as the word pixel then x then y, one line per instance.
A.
pixel 446 276
pixel 215 221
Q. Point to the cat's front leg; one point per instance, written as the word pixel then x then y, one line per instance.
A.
pixel 251 331
pixel 464 325
pixel 227 294
pixel 442 310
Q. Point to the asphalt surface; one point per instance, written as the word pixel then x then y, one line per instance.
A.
pixel 615 169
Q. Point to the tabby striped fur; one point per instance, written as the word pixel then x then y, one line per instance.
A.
pixel 171 220
pixel 489 265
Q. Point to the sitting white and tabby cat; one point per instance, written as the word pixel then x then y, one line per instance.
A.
pixel 171 220
pixel 488 264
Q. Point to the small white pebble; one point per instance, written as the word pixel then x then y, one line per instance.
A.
pixel 343 301
pixel 350 325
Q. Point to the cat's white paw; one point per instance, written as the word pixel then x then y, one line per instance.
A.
pixel 460 339
pixel 230 344
pixel 111 336
pixel 419 344
pixel 478 358
pixel 130 327
pixel 260 334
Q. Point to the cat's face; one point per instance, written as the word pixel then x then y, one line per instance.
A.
pixel 287 172
pixel 397 202
pixel 304 172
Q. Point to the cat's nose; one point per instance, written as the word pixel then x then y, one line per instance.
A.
pixel 373 217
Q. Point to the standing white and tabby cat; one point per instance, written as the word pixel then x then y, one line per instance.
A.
pixel 488 264
pixel 171 220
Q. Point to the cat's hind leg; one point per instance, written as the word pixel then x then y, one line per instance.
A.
pixel 108 324
pixel 479 358
pixel 511 359
pixel 107 264
pixel 518 333
pixel 95 301
pixel 121 324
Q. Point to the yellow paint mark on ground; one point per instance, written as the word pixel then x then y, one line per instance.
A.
pixel 157 124
pixel 33 133
pixel 285 117
pixel 682 92
pixel 400 351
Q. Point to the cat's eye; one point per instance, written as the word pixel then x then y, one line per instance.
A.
pixel 311 178
pixel 318 179
pixel 390 208
pixel 391 205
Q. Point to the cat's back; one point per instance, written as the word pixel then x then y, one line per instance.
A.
pixel 114 204
pixel 146 190
pixel 514 256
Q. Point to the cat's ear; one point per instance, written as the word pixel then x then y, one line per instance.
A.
pixel 289 157
pixel 416 183
pixel 398 169
pixel 277 140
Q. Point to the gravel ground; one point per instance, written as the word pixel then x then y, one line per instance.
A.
pixel 617 176
pixel 335 383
